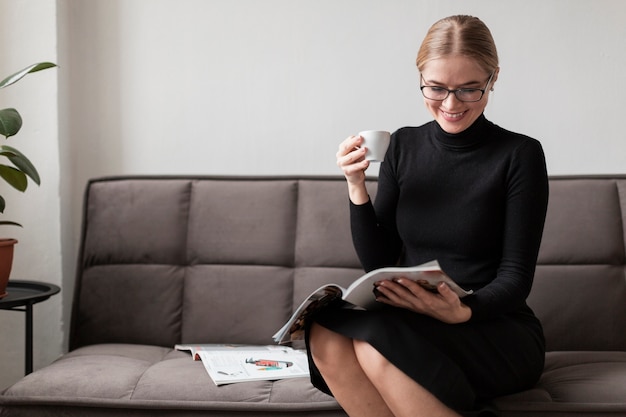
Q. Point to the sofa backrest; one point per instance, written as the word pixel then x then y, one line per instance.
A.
pixel 579 291
pixel 166 260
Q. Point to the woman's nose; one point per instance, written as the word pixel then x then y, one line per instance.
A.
pixel 451 101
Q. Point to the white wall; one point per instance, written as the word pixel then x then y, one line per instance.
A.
pixel 271 87
pixel 268 87
pixel 27 36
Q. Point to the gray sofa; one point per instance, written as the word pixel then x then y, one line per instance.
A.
pixel 167 260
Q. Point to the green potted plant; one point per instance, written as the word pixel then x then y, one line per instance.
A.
pixel 18 170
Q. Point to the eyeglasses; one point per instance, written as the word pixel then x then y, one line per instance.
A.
pixel 462 94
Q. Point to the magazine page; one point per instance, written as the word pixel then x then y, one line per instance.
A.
pixel 360 294
pixel 294 328
pixel 230 366
pixel 195 349
pixel 429 275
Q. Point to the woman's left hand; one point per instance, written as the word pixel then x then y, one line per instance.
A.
pixel 444 305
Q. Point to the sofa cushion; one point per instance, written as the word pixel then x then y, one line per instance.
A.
pixel 229 303
pixel 168 260
pixel 160 254
pixel 139 377
pixel 594 306
pixel 584 223
pixel 324 216
pixel 242 223
pixel 580 281
pixel 121 216
pixel 131 303
pixel 582 383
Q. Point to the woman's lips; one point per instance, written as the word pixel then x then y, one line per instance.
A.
pixel 452 116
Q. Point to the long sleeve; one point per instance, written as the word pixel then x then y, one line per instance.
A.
pixel 475 201
pixel 525 212
pixel 376 246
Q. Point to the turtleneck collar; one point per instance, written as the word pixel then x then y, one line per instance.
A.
pixel 465 140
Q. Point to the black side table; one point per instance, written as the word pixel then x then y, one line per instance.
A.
pixel 21 297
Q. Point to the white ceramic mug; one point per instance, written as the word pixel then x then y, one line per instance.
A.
pixel 376 142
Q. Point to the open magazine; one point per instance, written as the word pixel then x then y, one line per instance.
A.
pixel 360 294
pixel 229 363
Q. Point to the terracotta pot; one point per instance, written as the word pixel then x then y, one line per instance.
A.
pixel 6 262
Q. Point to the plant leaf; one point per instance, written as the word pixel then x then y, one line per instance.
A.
pixel 16 178
pixel 6 222
pixel 10 122
pixel 9 223
pixel 11 79
pixel 21 162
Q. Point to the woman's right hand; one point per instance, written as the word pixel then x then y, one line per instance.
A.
pixel 351 160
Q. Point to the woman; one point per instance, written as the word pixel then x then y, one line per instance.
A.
pixel 463 191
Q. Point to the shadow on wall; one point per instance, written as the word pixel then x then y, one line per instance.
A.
pixel 96 137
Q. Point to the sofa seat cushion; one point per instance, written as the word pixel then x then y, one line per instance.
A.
pixel 589 383
pixel 139 377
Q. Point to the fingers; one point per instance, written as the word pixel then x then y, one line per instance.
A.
pixel 350 144
pixel 446 292
pixel 396 292
pixel 445 305
pixel 351 158
pixel 406 293
pixel 350 150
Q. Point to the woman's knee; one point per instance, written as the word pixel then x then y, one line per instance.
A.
pixel 329 349
pixel 371 360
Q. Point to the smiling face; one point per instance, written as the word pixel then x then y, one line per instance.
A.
pixel 453 115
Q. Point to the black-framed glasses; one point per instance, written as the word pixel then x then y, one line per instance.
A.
pixel 462 94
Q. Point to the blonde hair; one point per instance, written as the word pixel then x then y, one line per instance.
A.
pixel 463 35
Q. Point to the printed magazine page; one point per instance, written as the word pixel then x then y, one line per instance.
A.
pixel 230 363
pixel 428 275
pixel 360 294
pixel 227 367
pixel 294 328
pixel 195 349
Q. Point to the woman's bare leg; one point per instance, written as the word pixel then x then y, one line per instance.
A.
pixel 336 360
pixel 403 396
pixel 366 384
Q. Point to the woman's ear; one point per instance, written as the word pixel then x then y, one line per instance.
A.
pixel 494 78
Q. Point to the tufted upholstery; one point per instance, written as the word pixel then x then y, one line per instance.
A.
pixel 161 254
pixel 168 260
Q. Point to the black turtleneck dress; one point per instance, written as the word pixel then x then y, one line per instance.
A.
pixel 475 201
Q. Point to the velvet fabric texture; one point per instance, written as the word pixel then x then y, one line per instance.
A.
pixel 168 260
